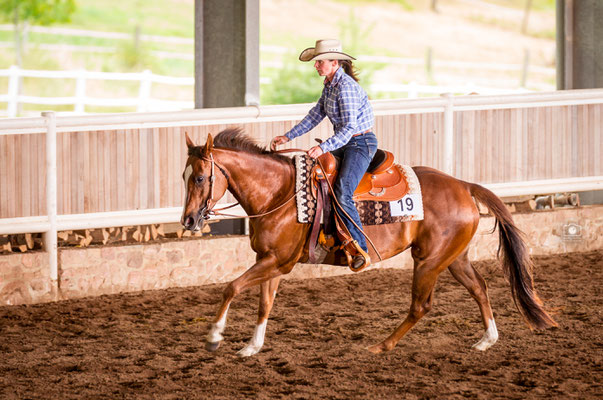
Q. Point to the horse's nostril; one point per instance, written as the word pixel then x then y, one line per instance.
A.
pixel 189 222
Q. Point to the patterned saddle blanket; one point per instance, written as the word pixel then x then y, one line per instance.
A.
pixel 372 212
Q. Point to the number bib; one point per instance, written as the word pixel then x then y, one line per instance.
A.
pixel 409 205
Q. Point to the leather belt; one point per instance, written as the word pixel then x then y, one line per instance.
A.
pixel 362 133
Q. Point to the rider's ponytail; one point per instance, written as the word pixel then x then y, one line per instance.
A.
pixel 349 69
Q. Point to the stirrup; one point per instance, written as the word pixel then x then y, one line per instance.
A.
pixel 350 258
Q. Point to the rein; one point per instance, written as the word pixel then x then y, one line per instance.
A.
pixel 208 211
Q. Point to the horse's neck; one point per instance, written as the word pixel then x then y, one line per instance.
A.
pixel 258 182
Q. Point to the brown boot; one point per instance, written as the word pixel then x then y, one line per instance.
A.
pixel 360 262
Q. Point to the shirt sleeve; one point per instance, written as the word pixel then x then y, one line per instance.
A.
pixel 349 106
pixel 315 115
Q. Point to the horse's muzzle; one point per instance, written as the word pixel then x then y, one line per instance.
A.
pixel 193 221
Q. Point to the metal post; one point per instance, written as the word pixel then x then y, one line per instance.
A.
pixel 568 45
pixel 448 165
pixel 50 237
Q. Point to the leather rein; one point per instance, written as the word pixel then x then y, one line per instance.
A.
pixel 208 210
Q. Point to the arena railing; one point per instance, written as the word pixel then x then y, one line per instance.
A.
pixel 51 124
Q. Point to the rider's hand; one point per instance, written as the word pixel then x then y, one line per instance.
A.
pixel 315 152
pixel 278 140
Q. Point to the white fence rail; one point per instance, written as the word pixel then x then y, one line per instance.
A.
pixel 448 105
pixel 144 102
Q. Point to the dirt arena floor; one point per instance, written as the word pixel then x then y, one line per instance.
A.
pixel 149 345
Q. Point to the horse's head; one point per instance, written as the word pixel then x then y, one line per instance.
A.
pixel 205 182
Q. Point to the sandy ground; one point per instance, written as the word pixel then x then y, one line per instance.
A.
pixel 150 344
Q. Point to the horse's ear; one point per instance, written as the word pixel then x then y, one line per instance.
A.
pixel 209 145
pixel 189 142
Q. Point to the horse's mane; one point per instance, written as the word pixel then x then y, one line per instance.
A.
pixel 236 139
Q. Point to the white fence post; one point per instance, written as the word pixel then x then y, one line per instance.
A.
pixel 50 237
pixel 413 91
pixel 448 166
pixel 144 92
pixel 80 92
pixel 13 91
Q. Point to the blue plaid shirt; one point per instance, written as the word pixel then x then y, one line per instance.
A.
pixel 346 104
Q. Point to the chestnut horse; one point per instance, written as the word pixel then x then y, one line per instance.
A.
pixel 264 184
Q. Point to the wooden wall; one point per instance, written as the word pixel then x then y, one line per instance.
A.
pixel 142 168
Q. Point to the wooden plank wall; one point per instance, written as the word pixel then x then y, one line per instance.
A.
pixel 529 143
pixel 142 168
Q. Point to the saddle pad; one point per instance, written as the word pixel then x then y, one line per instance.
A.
pixel 408 208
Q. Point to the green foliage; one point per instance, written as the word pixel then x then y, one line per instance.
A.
pixel 538 5
pixel 39 12
pixel 292 84
pixel 134 55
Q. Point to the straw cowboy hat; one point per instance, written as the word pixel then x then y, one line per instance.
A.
pixel 326 49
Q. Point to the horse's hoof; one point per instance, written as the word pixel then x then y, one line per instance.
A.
pixel 248 351
pixel 376 349
pixel 211 347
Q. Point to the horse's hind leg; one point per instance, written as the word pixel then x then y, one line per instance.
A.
pixel 424 278
pixel 267 295
pixel 463 271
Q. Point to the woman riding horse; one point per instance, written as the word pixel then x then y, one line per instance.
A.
pixel 264 184
pixel 346 104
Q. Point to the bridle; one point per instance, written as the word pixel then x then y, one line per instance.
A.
pixel 208 211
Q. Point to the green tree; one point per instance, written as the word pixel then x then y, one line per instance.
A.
pixel 292 84
pixel 22 13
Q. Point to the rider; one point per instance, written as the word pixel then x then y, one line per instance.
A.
pixel 346 104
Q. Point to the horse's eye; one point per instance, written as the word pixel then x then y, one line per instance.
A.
pixel 199 179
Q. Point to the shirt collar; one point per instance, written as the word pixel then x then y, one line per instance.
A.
pixel 336 78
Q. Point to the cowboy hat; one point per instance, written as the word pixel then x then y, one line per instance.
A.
pixel 326 49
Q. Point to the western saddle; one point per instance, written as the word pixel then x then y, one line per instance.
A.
pixel 383 181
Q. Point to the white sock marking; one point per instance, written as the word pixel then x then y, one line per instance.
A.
pixel 215 333
pixel 256 342
pixel 490 337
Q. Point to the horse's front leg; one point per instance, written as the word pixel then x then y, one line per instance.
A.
pixel 263 270
pixel 267 295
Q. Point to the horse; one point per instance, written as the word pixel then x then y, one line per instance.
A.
pixel 263 182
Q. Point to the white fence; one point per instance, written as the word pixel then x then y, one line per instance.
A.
pixel 447 105
pixel 144 101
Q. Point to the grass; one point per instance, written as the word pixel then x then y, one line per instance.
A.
pixel 537 5
pixel 173 18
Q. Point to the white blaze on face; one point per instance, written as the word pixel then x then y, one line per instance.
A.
pixel 187 174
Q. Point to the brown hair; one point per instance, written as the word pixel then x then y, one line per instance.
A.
pixel 349 69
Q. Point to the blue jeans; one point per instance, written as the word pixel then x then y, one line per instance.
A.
pixel 355 156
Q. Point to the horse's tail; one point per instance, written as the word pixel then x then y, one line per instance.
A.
pixel 516 262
